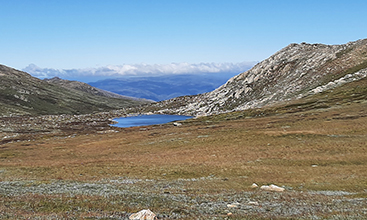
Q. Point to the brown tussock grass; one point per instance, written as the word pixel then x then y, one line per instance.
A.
pixel 276 149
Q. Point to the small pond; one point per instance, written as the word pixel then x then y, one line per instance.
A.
pixel 142 120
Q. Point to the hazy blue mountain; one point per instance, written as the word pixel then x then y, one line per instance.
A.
pixel 94 74
pixel 164 87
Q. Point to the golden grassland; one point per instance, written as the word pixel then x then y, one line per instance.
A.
pixel 317 143
pixel 324 149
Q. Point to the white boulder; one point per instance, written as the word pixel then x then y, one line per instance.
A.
pixel 143 214
pixel 273 188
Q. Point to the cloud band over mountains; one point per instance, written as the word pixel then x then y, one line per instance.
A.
pixel 139 69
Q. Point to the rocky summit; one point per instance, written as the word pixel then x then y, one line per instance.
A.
pixel 296 71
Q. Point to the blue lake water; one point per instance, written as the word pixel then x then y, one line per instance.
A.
pixel 142 120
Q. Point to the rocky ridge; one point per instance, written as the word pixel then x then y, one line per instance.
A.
pixel 295 71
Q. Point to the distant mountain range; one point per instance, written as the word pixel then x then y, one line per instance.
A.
pixel 295 72
pixel 155 82
pixel 22 94
pixel 84 87
pixel 164 87
pixel 115 71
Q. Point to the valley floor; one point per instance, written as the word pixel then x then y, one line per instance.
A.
pixel 203 169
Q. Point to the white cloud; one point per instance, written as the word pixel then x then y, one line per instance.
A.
pixel 140 69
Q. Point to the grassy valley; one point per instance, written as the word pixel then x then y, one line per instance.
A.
pixel 297 120
pixel 313 147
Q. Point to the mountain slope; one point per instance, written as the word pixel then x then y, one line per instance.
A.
pixel 20 94
pixel 295 71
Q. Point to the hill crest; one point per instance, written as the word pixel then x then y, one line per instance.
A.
pixel 293 72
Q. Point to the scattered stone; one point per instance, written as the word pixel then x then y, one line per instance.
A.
pixel 107 131
pixel 314 165
pixel 233 205
pixel 203 136
pixel 177 124
pixel 143 214
pixel 253 203
pixel 292 204
pixel 229 214
pixel 254 185
pixel 272 187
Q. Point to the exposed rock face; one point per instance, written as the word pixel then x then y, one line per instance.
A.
pixel 295 71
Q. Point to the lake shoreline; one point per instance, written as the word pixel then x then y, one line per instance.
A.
pixel 136 120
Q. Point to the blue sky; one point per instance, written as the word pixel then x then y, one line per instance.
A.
pixel 89 33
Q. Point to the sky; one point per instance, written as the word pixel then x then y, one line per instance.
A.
pixel 98 33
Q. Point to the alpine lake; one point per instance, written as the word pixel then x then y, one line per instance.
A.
pixel 144 120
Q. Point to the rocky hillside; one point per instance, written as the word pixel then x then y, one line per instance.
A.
pixel 22 94
pixel 296 71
